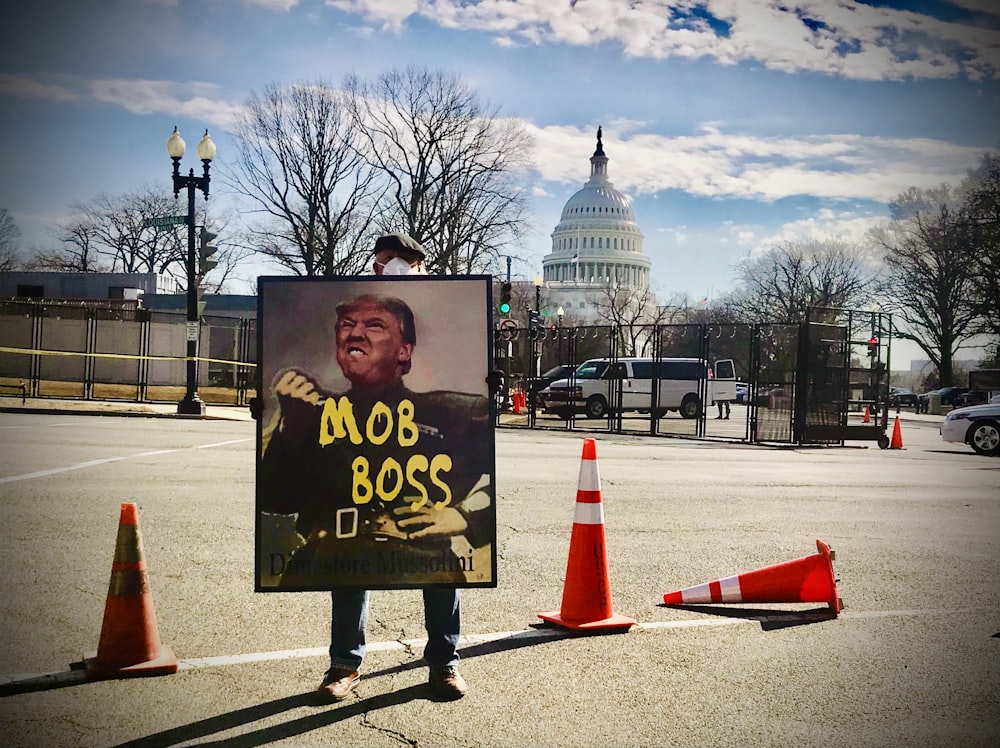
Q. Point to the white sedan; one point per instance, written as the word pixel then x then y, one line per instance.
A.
pixel 975 425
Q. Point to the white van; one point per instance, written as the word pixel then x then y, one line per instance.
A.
pixel 589 389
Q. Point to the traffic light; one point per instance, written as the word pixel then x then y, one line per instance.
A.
pixel 505 298
pixel 873 346
pixel 206 250
pixel 533 323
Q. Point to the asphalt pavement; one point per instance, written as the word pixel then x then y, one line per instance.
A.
pixel 913 659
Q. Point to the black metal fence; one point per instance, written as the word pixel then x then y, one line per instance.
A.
pixel 119 351
pixel 801 381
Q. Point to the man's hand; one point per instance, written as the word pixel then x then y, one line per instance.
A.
pixel 495 381
pixel 427 521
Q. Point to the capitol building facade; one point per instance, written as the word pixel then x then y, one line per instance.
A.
pixel 596 247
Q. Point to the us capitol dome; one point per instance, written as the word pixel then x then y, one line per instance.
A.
pixel 596 245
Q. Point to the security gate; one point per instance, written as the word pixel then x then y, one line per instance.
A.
pixel 800 379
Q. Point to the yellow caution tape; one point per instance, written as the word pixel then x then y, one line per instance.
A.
pixel 34 351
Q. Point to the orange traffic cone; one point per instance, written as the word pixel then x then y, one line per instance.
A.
pixel 516 397
pixel 897 436
pixel 804 580
pixel 586 601
pixel 130 640
pixel 868 417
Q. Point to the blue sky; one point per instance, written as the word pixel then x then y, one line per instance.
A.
pixel 732 124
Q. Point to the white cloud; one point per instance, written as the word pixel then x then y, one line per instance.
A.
pixel 200 101
pixel 709 163
pixel 36 87
pixel 390 13
pixel 204 101
pixel 826 225
pixel 839 37
pixel 713 163
pixel 283 5
pixel 987 7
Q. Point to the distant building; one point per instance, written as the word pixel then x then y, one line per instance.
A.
pixel 44 284
pixel 596 246
pixel 924 365
pixel 213 305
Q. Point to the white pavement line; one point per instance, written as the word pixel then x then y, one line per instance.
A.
pixel 221 444
pixel 40 426
pixel 92 463
pixel 7 681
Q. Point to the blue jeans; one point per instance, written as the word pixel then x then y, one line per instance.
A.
pixel 442 618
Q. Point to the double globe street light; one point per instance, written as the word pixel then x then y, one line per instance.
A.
pixel 191 404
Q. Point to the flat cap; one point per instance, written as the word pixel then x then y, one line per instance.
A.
pixel 399 242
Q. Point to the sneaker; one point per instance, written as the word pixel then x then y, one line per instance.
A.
pixel 447 683
pixel 337 684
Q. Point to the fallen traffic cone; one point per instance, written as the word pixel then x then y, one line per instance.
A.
pixel 868 417
pixel 130 644
pixel 586 601
pixel 897 436
pixel 804 580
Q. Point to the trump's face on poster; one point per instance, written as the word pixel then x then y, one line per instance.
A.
pixel 371 350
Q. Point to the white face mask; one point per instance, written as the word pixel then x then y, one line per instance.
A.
pixel 399 266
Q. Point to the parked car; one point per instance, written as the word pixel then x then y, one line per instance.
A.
pixel 534 385
pixel 742 392
pixel 972 397
pixel 975 425
pixel 948 395
pixel 902 397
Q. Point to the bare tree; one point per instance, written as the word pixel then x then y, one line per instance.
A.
pixel 110 233
pixel 452 167
pixel 114 233
pixel 982 201
pixel 633 312
pixel 783 282
pixel 9 236
pixel 78 254
pixel 298 163
pixel 122 234
pixel 929 256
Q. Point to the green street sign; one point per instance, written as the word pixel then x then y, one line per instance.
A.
pixel 163 222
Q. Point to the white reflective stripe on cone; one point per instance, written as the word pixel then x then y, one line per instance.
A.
pixel 729 592
pixel 588 514
pixel 730 589
pixel 700 593
pixel 590 476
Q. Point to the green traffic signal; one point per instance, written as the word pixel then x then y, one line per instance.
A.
pixel 505 298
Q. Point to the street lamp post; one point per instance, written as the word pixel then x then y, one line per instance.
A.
pixel 537 352
pixel 191 404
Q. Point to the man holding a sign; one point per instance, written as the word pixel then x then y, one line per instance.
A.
pixel 392 488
